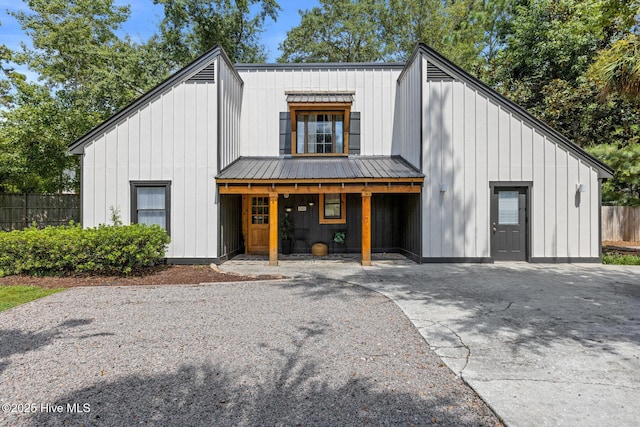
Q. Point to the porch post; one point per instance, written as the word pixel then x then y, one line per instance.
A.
pixel 273 229
pixel 366 228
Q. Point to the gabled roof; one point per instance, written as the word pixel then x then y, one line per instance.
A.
pixel 199 70
pixel 458 73
pixel 313 169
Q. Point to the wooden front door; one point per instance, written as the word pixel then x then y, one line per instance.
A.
pixel 258 225
pixel 509 218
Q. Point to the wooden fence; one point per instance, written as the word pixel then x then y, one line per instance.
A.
pixel 18 211
pixel 621 223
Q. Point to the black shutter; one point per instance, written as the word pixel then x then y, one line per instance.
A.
pixel 285 133
pixel 354 133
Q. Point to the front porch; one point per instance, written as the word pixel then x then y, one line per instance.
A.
pixel 377 205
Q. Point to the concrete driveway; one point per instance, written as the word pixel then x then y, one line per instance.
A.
pixel 541 344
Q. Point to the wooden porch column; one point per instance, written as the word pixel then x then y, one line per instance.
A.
pixel 366 228
pixel 273 229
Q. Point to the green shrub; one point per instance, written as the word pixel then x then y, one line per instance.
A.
pixel 620 259
pixel 64 249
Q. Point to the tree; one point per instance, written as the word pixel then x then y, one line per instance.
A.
pixel 86 73
pixel 5 71
pixel 550 40
pixel 618 67
pixel 452 27
pixel 337 31
pixel 624 188
pixel 377 30
pixel 33 142
pixel 574 108
pixel 191 27
pixel 77 53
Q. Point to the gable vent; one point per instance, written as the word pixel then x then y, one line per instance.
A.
pixel 206 75
pixel 435 74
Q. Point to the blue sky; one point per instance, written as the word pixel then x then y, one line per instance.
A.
pixel 145 17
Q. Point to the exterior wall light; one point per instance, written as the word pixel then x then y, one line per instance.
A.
pixel 581 188
pixel 444 188
pixel 288 209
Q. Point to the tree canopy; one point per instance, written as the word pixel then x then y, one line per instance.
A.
pixel 382 30
pixel 337 31
pixel 191 27
pixel 618 67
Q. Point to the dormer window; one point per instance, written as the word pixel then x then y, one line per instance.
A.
pixel 318 124
pixel 320 133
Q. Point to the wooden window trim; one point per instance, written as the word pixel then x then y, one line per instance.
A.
pixel 320 108
pixel 343 211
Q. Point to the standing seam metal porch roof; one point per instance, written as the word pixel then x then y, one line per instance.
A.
pixel 318 168
pixel 344 97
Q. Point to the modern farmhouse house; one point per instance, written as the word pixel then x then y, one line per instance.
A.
pixel 418 158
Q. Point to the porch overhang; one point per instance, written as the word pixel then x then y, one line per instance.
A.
pixel 283 175
pixel 272 176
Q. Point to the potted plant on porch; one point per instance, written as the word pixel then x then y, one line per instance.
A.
pixel 286 232
pixel 340 238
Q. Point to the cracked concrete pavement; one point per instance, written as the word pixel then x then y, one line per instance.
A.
pixel 541 344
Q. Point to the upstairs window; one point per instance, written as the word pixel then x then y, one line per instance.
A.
pixel 319 123
pixel 320 133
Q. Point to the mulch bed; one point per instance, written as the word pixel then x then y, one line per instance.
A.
pixel 158 275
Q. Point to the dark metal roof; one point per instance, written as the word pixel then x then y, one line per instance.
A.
pixel 323 97
pixel 316 168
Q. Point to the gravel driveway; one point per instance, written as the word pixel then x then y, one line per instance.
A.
pixel 260 353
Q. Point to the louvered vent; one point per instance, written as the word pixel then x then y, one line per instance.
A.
pixel 206 75
pixel 435 74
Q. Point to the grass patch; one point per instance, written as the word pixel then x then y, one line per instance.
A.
pixel 620 259
pixel 10 296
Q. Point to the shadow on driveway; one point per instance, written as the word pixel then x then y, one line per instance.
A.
pixel 15 341
pixel 293 395
pixel 531 307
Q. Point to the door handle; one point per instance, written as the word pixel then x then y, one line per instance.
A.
pixel 494 227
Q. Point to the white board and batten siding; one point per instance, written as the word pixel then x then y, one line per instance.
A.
pixel 172 137
pixel 231 93
pixel 406 119
pixel 264 99
pixel 469 141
